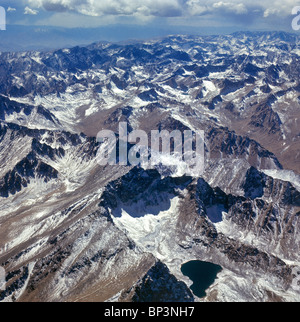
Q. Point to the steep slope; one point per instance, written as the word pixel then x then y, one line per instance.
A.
pixel 198 221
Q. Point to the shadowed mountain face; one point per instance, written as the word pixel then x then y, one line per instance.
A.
pixel 72 230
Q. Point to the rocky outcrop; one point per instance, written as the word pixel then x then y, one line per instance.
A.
pixel 158 286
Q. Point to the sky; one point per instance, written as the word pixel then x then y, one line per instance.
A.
pixel 122 19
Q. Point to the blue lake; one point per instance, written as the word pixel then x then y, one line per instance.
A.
pixel 203 275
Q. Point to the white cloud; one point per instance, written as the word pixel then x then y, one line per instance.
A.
pixel 29 11
pixel 280 8
pixel 270 12
pixel 197 8
pixel 236 8
pixel 167 8
pixel 112 7
pixel 258 8
pixel 10 9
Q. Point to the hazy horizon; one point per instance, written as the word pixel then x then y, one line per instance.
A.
pixel 50 24
pixel 41 38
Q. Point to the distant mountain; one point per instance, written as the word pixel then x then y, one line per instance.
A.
pixel 43 38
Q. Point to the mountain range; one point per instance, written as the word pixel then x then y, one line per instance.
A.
pixel 72 230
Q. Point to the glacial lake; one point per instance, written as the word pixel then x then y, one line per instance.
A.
pixel 202 274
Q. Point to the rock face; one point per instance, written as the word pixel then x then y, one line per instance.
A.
pixel 158 285
pixel 72 230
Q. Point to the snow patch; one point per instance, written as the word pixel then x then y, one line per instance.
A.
pixel 285 175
